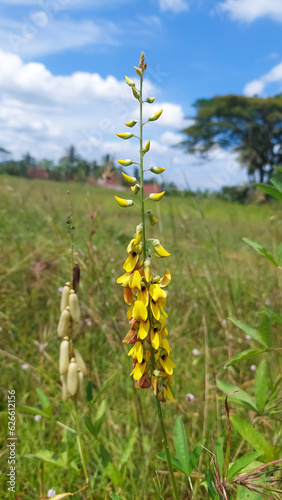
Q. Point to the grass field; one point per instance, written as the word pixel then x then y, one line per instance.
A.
pixel 215 275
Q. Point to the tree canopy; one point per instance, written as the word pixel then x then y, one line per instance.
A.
pixel 251 126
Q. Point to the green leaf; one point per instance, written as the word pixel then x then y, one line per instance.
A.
pixel 261 385
pixel 44 401
pixel 210 484
pixel 279 255
pixel 113 474
pixel 175 462
pixel 219 454
pixel 113 496
pixel 127 449
pixel 269 190
pixel 242 356
pixel 252 435
pixel 245 494
pixel 273 315
pixel 260 249
pixel 277 184
pixel 34 411
pixel 89 394
pixel 181 446
pixel 253 332
pixel 49 457
pixel 240 397
pixel 278 168
pixel 94 428
pixel 241 463
pixel 195 455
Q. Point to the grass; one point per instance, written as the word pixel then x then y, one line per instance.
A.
pixel 214 275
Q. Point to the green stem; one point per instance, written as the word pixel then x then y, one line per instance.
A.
pixel 159 409
pixel 79 443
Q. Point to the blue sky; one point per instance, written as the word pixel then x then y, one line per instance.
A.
pixel 63 64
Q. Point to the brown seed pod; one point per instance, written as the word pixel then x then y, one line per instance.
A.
pixel 75 277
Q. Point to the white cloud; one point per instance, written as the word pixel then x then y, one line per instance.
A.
pixel 249 10
pixel 173 5
pixel 171 138
pixel 257 86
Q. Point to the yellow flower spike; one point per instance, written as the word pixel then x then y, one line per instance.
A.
pixel 130 246
pixel 167 364
pixel 125 135
pixel 155 116
pixel 134 281
pixel 168 393
pixel 129 82
pixel 131 123
pixel 147 270
pixel 135 93
pixel 143 329
pixel 129 179
pixel 122 280
pixel 155 338
pixel 159 249
pixel 155 310
pixel 156 292
pixel 125 163
pixel 124 203
pixel 139 310
pixel 150 100
pixel 157 170
pixel 135 189
pixel 166 279
pixel 146 148
pixel 139 234
pixel 139 351
pixel 138 71
pixel 156 196
pixel 131 262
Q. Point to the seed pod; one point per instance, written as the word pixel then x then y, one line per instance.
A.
pixel 65 296
pixel 75 276
pixel 64 322
pixel 72 380
pixel 81 366
pixel 80 390
pixel 65 392
pixel 74 306
pixel 64 356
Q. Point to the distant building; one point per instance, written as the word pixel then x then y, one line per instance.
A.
pixel 110 178
pixel 152 188
pixel 37 173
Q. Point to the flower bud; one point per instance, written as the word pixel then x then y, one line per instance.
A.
pixel 135 93
pixel 64 356
pixel 65 391
pixel 64 322
pixel 139 234
pixel 135 189
pixel 131 123
pixel 147 270
pixel 152 218
pixel 129 82
pixel 146 148
pixel 157 170
pixel 65 296
pixel 124 203
pixel 150 100
pixel 80 389
pixel 74 306
pixel 155 116
pixel 72 379
pixel 124 135
pixel 156 196
pixel 159 249
pixel 129 179
pixel 81 366
pixel 138 71
pixel 125 163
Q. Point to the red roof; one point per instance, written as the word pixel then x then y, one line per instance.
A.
pixel 152 188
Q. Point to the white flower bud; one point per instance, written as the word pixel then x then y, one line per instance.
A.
pixel 74 306
pixel 64 356
pixel 72 379
pixel 64 322
pixel 65 296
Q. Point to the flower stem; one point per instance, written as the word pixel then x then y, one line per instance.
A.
pixel 79 444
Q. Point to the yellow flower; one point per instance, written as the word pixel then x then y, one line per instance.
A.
pixel 128 295
pixel 124 203
pixel 129 179
pixel 143 295
pixel 167 364
pixel 156 196
pixel 139 310
pixel 159 249
pixel 137 351
pixel 166 279
pixel 131 262
pixel 168 393
pixel 139 370
pixel 156 292
pixel 143 329
pixel 135 280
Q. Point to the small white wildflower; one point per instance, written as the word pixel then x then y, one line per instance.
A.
pixel 195 352
pixel 112 259
pixel 248 337
pixel 253 368
pixel 60 289
pixel 107 304
pixel 267 302
pixel 224 323
pixel 51 493
pixel 94 247
pixel 104 326
pixel 37 418
pixel 189 397
pixel 25 366
pixel 88 322
pixel 196 305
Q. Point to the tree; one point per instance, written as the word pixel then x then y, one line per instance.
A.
pixel 251 126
